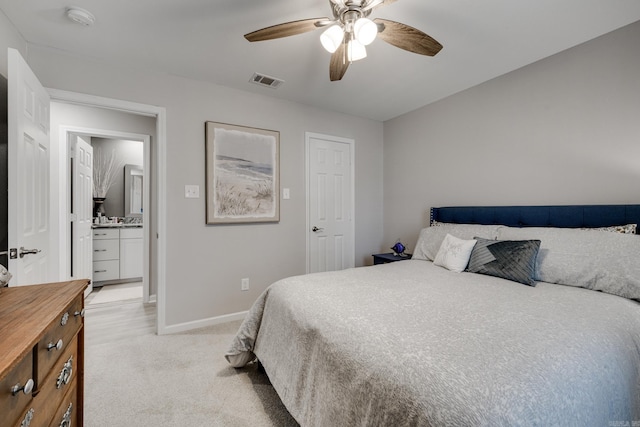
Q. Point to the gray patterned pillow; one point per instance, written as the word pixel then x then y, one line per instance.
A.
pixel 509 259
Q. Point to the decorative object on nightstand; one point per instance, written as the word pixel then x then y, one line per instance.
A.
pixel 398 249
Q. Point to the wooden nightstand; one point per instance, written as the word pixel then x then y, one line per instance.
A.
pixel 389 257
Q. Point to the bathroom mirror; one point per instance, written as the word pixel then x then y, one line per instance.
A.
pixel 133 191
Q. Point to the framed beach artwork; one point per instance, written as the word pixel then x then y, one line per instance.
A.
pixel 243 169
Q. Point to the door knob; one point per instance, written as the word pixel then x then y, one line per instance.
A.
pixel 24 251
pixel 316 229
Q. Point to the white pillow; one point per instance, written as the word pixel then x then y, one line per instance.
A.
pixel 454 253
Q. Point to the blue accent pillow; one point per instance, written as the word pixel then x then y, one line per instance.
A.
pixel 513 260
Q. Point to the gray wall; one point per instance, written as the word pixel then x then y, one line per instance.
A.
pixel 206 263
pixel 9 37
pixel 564 130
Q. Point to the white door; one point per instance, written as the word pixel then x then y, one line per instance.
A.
pixel 330 203
pixel 28 178
pixel 81 212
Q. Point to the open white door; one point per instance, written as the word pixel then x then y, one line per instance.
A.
pixel 330 228
pixel 29 224
pixel 81 215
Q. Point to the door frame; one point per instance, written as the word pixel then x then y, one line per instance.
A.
pixel 63 149
pixel 307 142
pixel 159 177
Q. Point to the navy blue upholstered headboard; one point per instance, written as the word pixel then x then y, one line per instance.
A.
pixel 570 216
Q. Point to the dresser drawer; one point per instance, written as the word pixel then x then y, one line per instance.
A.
pixel 105 233
pixel 106 270
pixel 106 249
pixel 63 329
pixel 55 388
pixel 67 413
pixel 13 405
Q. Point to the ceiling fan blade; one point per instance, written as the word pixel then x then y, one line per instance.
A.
pixel 375 3
pixel 339 63
pixel 407 38
pixel 287 29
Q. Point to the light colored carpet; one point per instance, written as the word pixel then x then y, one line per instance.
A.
pixel 113 293
pixel 176 380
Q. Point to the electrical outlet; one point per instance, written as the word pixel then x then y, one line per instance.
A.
pixel 244 284
pixel 192 191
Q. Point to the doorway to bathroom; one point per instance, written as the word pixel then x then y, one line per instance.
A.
pixel 112 244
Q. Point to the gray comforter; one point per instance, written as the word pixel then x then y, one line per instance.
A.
pixel 413 344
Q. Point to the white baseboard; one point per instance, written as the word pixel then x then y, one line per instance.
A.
pixel 188 326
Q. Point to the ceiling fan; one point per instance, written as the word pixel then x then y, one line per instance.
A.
pixel 350 31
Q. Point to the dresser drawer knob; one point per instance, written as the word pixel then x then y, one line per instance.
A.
pixel 79 313
pixel 66 418
pixel 26 422
pixel 56 346
pixel 64 319
pixel 65 374
pixel 26 388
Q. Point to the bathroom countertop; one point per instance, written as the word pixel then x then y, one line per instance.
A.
pixel 118 225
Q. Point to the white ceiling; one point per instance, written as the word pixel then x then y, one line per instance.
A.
pixel 203 40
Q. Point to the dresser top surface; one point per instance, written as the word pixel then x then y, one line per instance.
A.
pixel 27 311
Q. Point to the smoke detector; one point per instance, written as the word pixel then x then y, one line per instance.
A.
pixel 80 16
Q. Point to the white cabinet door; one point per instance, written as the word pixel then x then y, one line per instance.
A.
pixel 130 257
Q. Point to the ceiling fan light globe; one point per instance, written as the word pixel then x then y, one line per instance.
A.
pixel 332 37
pixel 356 51
pixel 365 31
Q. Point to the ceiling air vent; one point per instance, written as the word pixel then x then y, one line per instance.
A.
pixel 264 80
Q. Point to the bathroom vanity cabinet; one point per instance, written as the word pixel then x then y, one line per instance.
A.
pixel 117 254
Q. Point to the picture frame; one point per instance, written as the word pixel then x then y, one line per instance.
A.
pixel 242 174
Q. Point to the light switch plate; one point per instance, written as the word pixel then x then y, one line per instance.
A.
pixel 192 191
pixel 285 194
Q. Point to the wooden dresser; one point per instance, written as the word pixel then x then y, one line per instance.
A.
pixel 42 355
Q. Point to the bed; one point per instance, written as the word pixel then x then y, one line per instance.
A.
pixel 423 343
